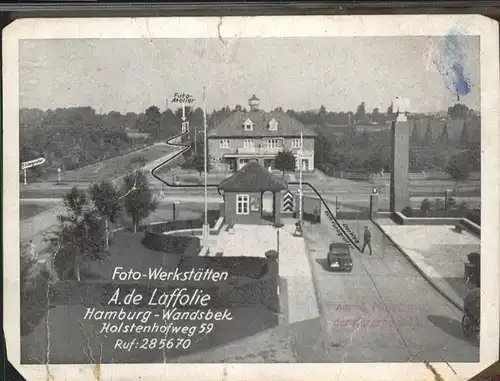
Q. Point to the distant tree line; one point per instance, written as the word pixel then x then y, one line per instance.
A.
pixel 370 151
pixel 70 138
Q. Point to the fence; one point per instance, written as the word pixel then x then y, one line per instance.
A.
pixel 432 175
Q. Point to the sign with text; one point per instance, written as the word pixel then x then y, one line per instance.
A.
pixel 32 163
pixel 183 98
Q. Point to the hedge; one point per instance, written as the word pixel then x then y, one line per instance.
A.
pixel 475 217
pixel 249 267
pixel 171 243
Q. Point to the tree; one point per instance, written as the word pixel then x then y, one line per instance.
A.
pixel 107 201
pixel 360 113
pixel 459 167
pixel 376 116
pixel 198 163
pixel 138 197
pixel 375 163
pixel 464 136
pixel 425 206
pixel 285 161
pixel 78 237
pixel 415 136
pixel 428 139
pixel 458 111
pixel 444 135
pixel 151 122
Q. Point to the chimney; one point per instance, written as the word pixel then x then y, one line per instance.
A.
pixel 254 103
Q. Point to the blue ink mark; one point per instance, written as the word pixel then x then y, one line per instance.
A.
pixel 451 65
pixel 462 85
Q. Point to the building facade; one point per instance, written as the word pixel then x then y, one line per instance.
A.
pixel 253 196
pixel 258 135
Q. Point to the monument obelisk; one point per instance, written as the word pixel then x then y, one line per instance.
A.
pixel 400 196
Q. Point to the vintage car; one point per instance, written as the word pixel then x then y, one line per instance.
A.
pixel 339 257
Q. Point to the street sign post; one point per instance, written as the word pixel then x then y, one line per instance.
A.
pixel 29 164
pixel 183 99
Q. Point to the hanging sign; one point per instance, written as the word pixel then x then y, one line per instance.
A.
pixel 183 98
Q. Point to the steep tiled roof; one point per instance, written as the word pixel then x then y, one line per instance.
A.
pixel 233 126
pixel 253 178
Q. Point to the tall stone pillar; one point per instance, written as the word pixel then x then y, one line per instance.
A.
pixel 400 196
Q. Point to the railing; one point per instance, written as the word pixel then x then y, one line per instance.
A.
pixel 340 229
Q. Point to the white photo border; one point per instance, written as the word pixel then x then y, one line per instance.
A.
pixel 259 26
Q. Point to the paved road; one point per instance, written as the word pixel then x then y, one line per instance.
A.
pixel 192 195
pixel 383 310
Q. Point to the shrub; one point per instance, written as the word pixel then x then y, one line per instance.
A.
pixel 439 204
pixel 474 258
pixel 463 206
pixel 452 202
pixel 475 217
pixel 425 206
pixel 407 211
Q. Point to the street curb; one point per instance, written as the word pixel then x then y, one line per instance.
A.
pixel 319 302
pixel 422 272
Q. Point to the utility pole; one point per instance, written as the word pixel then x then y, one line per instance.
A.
pixel 195 139
pixel 205 225
pixel 301 199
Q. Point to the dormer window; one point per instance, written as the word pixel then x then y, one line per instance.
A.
pixel 248 125
pixel 273 125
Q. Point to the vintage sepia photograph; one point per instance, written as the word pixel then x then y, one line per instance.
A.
pixel 253 199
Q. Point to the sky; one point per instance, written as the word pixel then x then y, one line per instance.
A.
pixel 129 75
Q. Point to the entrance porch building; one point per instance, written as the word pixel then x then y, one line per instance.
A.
pixel 264 155
pixel 253 196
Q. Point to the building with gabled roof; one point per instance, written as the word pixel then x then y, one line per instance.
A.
pixel 253 195
pixel 258 135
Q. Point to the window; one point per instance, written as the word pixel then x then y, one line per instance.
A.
pixel 273 125
pixel 274 143
pixel 224 143
pixel 248 143
pixel 296 143
pixel 242 204
pixel 248 125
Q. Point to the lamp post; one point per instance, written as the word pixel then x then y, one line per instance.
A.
pixel 174 204
pixel 278 226
pixel 205 224
pixel 301 197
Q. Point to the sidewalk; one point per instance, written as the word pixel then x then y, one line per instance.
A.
pixel 438 253
pixel 255 241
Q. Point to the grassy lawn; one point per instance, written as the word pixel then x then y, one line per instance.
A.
pixel 253 335
pixel 127 251
pixel 191 176
pixel 117 166
pixel 30 210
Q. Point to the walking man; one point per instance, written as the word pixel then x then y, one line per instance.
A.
pixel 367 240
